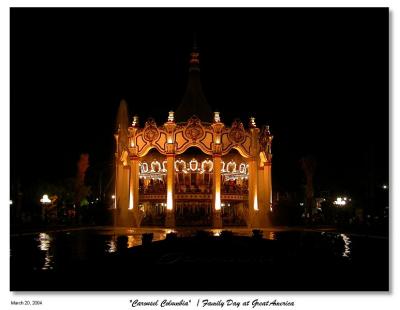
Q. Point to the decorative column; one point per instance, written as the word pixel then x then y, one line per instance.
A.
pixel 123 195
pixel 170 127
pixel 217 220
pixel 134 191
pixel 170 216
pixel 216 188
pixel 116 193
pixel 264 193
pixel 262 203
pixel 265 156
pixel 254 214
pixel 253 197
pixel 268 184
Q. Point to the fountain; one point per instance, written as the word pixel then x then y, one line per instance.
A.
pixel 123 216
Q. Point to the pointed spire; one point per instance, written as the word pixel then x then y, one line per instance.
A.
pixel 194 101
pixel 194 56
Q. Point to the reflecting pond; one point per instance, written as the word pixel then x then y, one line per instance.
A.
pixel 107 252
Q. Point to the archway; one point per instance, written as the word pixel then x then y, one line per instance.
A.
pixel 152 188
pixel 193 188
pixel 234 189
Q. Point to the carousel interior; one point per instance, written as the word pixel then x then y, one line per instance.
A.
pixel 193 188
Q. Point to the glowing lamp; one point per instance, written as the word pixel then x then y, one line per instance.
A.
pixel 193 164
pixel 255 202
pixel 169 200
pixel 45 199
pixel 130 201
pixel 340 202
pixel 217 200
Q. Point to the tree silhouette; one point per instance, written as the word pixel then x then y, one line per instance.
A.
pixel 308 165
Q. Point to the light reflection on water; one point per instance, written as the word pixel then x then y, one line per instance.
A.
pixel 347 246
pixel 134 240
pixel 79 243
pixel 44 240
pixel 271 235
pixel 216 232
pixel 111 245
pixel 134 236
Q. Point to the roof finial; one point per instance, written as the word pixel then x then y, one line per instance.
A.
pixel 194 55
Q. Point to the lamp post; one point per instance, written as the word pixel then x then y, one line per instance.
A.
pixel 45 201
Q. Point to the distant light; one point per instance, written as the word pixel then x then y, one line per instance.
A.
pixel 340 202
pixel 270 209
pixel 97 199
pixel 385 186
pixel 45 199
pixel 11 202
pixel 113 197
pixel 301 203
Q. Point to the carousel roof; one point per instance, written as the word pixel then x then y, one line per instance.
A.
pixel 194 102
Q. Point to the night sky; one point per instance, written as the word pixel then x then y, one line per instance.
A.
pixel 318 77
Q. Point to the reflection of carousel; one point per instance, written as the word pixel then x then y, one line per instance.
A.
pixel 193 170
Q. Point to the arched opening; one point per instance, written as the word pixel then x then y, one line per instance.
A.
pixel 234 189
pixel 193 188
pixel 153 188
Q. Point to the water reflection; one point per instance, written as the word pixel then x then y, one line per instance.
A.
pixel 347 244
pixel 216 232
pixel 134 240
pixel 111 245
pixel 164 234
pixel 50 251
pixel 44 240
pixel 270 235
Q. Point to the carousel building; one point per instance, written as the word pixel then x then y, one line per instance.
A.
pixel 193 170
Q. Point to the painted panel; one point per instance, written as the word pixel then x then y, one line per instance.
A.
pixel 161 141
pixel 180 140
pixel 226 143
pixel 247 144
pixel 207 141
pixel 140 142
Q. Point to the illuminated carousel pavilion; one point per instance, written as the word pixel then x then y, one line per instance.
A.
pixel 193 170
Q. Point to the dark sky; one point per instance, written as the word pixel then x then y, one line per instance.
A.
pixel 318 77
